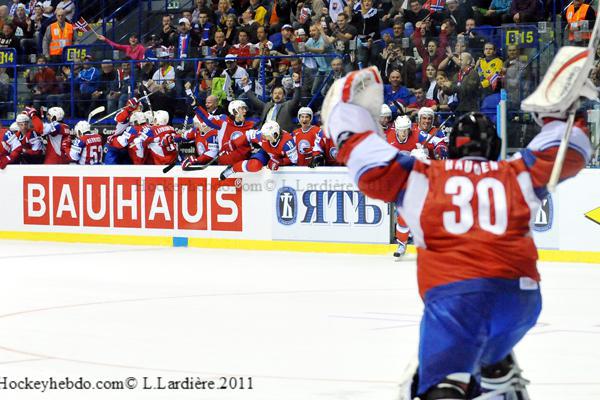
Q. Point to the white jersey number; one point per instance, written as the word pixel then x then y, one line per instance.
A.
pixel 462 191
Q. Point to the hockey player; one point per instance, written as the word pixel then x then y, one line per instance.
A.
pixel 54 130
pixel 385 118
pixel 277 148
pixel 470 220
pixel 130 121
pixel 430 137
pixel 31 141
pixel 324 145
pixel 306 137
pixel 10 147
pixel 229 130
pixel 205 139
pixel 86 148
pixel 157 144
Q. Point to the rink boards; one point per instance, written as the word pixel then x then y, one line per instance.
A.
pixel 294 209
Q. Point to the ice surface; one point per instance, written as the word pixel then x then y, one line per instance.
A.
pixel 303 326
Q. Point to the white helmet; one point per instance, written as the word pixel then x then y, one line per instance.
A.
pixel 386 111
pixel 137 118
pixel 425 111
pixel 14 127
pixel 56 114
pixel 235 105
pixel 271 131
pixel 305 111
pixel 22 118
pixel 81 128
pixel 161 117
pixel 402 124
pixel 149 117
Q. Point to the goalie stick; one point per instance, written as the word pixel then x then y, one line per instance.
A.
pixel 566 80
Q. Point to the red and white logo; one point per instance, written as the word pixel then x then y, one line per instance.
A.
pixel 133 202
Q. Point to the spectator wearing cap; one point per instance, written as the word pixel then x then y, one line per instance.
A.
pixel 231 29
pixel 186 47
pixel 163 84
pixel 134 50
pixel 19 20
pixel 59 35
pixel 278 109
pixel 107 92
pixel 88 80
pixel 288 42
pixel 236 74
pixel 168 33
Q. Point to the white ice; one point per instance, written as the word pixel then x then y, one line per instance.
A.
pixel 303 326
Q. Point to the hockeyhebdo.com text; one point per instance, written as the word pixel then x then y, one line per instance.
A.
pixel 239 184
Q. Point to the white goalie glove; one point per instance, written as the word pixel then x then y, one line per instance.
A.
pixel 566 80
pixel 352 105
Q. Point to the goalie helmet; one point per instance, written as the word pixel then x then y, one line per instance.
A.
pixel 149 117
pixel 56 114
pixel 235 106
pixel 305 111
pixel 137 118
pixel 402 127
pixel 271 132
pixel 81 128
pixel 473 134
pixel 161 118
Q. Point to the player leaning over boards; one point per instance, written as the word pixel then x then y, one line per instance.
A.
pixel 470 217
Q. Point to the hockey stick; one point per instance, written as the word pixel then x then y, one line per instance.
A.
pixel 562 149
pixel 95 112
pixel 190 168
pixel 119 110
pixel 174 163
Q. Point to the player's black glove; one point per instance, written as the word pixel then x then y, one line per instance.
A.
pixel 317 161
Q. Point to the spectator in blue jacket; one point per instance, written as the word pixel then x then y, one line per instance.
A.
pixel 497 12
pixel 87 81
pixel 395 95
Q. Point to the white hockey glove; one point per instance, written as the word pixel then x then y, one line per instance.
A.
pixel 352 105
pixel 420 153
pixel 564 83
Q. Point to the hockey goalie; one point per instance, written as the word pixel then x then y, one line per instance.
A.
pixel 469 215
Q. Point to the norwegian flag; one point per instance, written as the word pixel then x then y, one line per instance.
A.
pixel 434 5
pixel 82 25
pixel 494 80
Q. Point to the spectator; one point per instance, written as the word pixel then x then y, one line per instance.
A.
pixel 107 92
pixel 249 24
pixel 431 83
pixel 48 8
pixel 369 38
pixel 13 8
pixel 342 35
pixel 490 69
pixel 235 73
pixel 208 72
pixel 125 89
pixel 186 47
pixel 162 84
pixel 19 20
pixel 395 95
pixel 263 47
pixel 459 13
pixel 434 53
pixel 306 79
pixel 4 17
pixel 221 48
pixel 279 15
pixel 199 7
pixel 134 50
pixel 318 65
pixel 288 42
pixel 88 80
pixel 59 35
pixel 451 63
pixel 416 13
pixel 525 11
pixel 277 109
pixel 8 38
pixel 152 45
pixel 473 41
pixel 42 83
pixel 440 95
pixel 206 30
pixel 243 49
pixel 223 9
pixel 69 7
pixel 231 29
pixel 577 15
pixel 395 11
pixel 466 88
pixel 495 14
pixel 260 12
pixel 394 58
pixel 168 34
pixel 31 28
pixel 516 79
pixel 420 101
